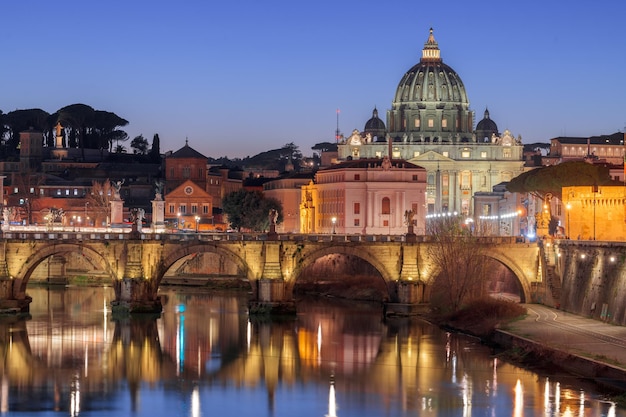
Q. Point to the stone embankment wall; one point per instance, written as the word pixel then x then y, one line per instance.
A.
pixel 593 277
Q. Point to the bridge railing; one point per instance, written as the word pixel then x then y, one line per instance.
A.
pixel 124 234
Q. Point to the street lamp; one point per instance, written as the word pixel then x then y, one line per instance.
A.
pixel 334 220
pixel 179 220
pixel 197 221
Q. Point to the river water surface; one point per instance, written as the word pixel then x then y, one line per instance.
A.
pixel 205 357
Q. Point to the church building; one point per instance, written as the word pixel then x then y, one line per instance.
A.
pixel 430 124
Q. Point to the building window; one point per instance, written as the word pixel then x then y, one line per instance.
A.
pixel 465 154
pixel 416 154
pixel 379 154
pixel 446 154
pixel 172 209
pixel 444 123
pixel 357 177
pixel 182 209
pixel 356 222
pixel 483 154
pixel 431 123
pixel 506 153
pixel 194 208
pixel 386 206
pixel 386 223
pixel 417 122
pixel 357 208
pixel 414 177
pixel 205 209
pixel 186 172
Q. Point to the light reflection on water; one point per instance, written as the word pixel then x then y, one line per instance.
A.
pixel 205 357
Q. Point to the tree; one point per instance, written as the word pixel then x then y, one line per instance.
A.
pixel 249 210
pixel 459 261
pixel 552 179
pixel 98 202
pixel 155 150
pixel 325 147
pixel 139 145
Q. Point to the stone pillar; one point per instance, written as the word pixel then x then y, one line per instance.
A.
pixel 158 215
pixel 272 297
pixel 117 213
pixel 135 293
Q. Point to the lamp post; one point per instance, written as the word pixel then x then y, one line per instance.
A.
pixel 568 206
pixel 86 218
pixel 179 220
pixel 334 221
pixel 197 221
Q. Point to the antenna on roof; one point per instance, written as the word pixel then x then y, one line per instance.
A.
pixel 337 134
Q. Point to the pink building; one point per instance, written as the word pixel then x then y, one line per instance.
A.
pixel 364 196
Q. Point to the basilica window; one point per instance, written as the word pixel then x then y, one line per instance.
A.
pixel 357 208
pixel 446 154
pixel 386 206
pixel 465 154
pixel 506 152
pixel 416 154
pixel 356 222
pixel 396 154
pixel 431 123
pixel 417 122
pixel 379 154
pixel 444 123
pixel 483 154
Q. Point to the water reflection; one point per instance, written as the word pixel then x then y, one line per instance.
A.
pixel 205 356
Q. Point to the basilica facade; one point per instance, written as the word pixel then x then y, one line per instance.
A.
pixel 430 124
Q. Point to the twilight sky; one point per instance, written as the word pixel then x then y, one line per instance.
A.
pixel 240 77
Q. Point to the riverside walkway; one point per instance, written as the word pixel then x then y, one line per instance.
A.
pixel 583 346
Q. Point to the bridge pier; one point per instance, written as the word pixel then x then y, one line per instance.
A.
pixel 272 296
pixel 135 296
pixel 9 302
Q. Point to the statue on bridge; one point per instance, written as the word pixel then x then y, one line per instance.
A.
pixel 158 184
pixel 117 186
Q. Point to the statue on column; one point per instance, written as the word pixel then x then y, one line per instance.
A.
pixel 117 186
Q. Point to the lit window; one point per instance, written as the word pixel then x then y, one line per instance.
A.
pixel 446 154
pixel 431 123
pixel 483 154
pixel 465 154
pixel 444 123
pixel 379 154
pixel 416 154
pixel 417 122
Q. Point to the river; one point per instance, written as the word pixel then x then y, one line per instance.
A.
pixel 205 357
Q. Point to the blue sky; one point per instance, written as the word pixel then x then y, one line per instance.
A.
pixel 241 77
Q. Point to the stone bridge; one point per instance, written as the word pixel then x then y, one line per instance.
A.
pixel 136 263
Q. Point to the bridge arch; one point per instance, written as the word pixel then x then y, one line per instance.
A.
pixel 36 258
pixel 187 250
pixel 512 266
pixel 308 258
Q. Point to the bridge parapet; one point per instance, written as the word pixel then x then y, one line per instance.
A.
pixel 137 264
